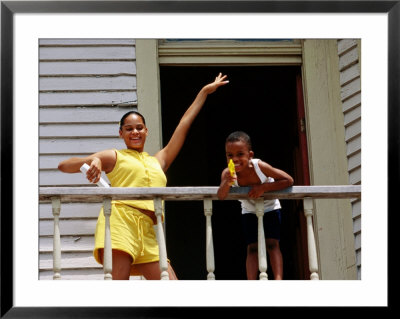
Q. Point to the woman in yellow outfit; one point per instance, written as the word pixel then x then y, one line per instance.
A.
pixel 134 244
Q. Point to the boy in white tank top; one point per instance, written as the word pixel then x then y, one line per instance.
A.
pixel 261 177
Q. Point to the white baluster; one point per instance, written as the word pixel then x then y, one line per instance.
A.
pixel 56 207
pixel 161 239
pixel 312 250
pixel 209 240
pixel 262 255
pixel 107 262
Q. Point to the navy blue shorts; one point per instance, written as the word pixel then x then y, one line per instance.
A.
pixel 272 226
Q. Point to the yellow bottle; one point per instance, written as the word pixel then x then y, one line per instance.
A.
pixel 231 167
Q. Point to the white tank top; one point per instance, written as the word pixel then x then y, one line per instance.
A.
pixel 248 205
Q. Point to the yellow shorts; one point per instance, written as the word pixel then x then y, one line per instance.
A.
pixel 131 232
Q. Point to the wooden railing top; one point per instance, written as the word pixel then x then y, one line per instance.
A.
pixel 96 194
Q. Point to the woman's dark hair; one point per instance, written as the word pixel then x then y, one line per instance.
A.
pixel 239 136
pixel 127 114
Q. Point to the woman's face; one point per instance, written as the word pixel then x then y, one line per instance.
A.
pixel 134 132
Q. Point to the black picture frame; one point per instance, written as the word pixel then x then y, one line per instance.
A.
pixel 9 8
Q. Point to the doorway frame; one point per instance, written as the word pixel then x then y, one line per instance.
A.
pixel 320 73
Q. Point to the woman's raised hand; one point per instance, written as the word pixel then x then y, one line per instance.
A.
pixel 219 81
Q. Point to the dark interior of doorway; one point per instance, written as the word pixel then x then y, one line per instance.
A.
pixel 260 100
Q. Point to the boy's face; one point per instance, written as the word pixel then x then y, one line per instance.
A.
pixel 239 153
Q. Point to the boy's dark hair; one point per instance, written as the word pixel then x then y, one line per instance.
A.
pixel 127 114
pixel 239 136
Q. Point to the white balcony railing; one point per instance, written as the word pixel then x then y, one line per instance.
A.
pixel 57 195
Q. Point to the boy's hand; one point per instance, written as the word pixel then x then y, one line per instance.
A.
pixel 225 186
pixel 219 81
pixel 256 191
pixel 227 178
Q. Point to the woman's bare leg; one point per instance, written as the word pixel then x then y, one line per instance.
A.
pixel 151 271
pixel 121 264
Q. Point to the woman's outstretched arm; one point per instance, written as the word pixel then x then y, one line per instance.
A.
pixel 100 161
pixel 168 154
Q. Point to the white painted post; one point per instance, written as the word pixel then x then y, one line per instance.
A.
pixel 262 255
pixel 107 262
pixel 209 239
pixel 161 239
pixel 56 207
pixel 312 250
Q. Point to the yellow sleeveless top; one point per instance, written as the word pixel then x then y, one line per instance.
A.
pixel 137 169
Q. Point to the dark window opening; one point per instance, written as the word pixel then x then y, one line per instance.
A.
pixel 260 100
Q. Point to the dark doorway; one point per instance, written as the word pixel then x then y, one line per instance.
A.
pixel 260 100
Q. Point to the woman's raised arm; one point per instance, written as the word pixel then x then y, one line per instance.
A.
pixel 168 154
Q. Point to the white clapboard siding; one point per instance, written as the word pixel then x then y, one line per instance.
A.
pixel 85 86
pixel 71 227
pixel 350 81
pixel 87 53
pixel 51 161
pixel 54 177
pixel 95 82
pixel 76 145
pixel 354 161
pixel 351 103
pixel 353 130
pixel 91 114
pixel 87 98
pixel 70 260
pixel 78 130
pixel 353 146
pixel 77 68
pixel 68 243
pixel 87 42
pixel 75 274
pixel 82 210
pixel 79 274
pixel 347 75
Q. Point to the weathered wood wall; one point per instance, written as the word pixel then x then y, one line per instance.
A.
pixel 85 86
pixel 350 82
